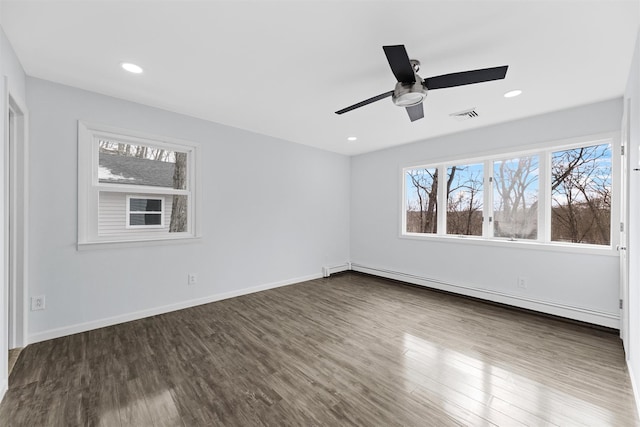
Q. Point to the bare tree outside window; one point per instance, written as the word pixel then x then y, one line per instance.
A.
pixel 465 199
pixel 581 195
pixel 578 193
pixel 179 210
pixel 515 198
pixel 140 151
pixel 422 200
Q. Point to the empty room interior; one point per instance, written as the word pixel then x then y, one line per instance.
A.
pixel 218 213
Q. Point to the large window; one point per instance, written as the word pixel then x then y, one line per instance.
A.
pixel 134 187
pixel 515 198
pixel 581 195
pixel 554 195
pixel 422 200
pixel 465 199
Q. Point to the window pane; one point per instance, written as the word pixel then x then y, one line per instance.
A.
pixel 422 200
pixel 465 199
pixel 145 219
pixel 178 222
pixel 515 198
pixel 581 195
pixel 145 205
pixel 129 164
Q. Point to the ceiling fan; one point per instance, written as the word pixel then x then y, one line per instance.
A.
pixel 411 89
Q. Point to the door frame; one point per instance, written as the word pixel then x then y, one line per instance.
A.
pixel 15 223
pixel 624 221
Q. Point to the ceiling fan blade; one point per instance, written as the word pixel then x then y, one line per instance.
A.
pixel 365 102
pixel 466 77
pixel 416 112
pixel 399 63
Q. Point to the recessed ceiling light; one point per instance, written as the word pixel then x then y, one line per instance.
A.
pixel 132 68
pixel 352 138
pixel 512 94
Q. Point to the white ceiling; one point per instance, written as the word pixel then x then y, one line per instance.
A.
pixel 283 68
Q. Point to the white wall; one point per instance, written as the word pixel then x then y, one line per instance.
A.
pixel 272 212
pixel 632 95
pixel 577 285
pixel 11 70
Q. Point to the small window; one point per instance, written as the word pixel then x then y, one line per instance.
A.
pixel 465 199
pixel 515 198
pixel 422 200
pixel 134 187
pixel 145 213
pixel 581 195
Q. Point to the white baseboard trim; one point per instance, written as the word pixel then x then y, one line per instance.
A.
pixel 328 271
pixel 110 321
pixel 610 320
pixel 634 386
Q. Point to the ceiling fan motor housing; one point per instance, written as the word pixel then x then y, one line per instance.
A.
pixel 409 94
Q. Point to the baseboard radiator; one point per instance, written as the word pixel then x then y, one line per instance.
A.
pixel 609 320
pixel 328 271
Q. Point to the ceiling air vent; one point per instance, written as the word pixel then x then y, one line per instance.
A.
pixel 471 113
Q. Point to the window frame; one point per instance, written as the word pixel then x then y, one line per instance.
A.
pixel 439 190
pixel 491 188
pixel 543 242
pixel 616 154
pixel 129 212
pixel 446 208
pixel 89 188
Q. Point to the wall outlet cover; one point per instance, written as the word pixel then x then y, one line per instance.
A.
pixel 522 282
pixel 192 278
pixel 37 303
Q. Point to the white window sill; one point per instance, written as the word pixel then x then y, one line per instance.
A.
pixel 118 244
pixel 577 248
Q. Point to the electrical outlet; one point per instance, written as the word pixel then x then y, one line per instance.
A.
pixel 192 278
pixel 522 282
pixel 37 303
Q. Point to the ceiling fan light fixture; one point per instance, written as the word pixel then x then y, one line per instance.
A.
pixel 409 94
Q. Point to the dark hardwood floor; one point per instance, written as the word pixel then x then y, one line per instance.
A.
pixel 13 357
pixel 348 350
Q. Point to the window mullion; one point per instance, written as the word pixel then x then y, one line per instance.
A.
pixel 132 189
pixel 544 198
pixel 442 200
pixel 487 211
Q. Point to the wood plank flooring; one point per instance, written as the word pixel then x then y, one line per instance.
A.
pixel 13 357
pixel 350 350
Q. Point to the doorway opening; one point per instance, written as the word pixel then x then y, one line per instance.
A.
pixel 15 203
